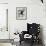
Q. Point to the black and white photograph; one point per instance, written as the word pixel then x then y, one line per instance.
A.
pixel 22 22
pixel 21 13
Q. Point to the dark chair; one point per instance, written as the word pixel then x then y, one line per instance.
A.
pixel 32 29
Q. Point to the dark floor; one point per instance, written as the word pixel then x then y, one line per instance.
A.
pixel 29 44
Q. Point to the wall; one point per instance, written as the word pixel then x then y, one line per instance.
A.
pixel 3 1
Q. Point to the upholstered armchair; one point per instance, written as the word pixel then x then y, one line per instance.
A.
pixel 33 30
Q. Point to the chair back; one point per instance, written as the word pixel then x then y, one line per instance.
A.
pixel 33 28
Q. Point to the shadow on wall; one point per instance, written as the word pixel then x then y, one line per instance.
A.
pixel 41 34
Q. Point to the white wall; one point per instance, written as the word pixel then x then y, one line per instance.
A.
pixel 3 1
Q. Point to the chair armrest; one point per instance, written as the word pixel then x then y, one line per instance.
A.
pixel 22 35
pixel 24 32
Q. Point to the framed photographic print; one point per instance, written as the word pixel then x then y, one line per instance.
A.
pixel 21 13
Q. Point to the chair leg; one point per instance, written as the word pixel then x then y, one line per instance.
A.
pixel 20 42
pixel 32 42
